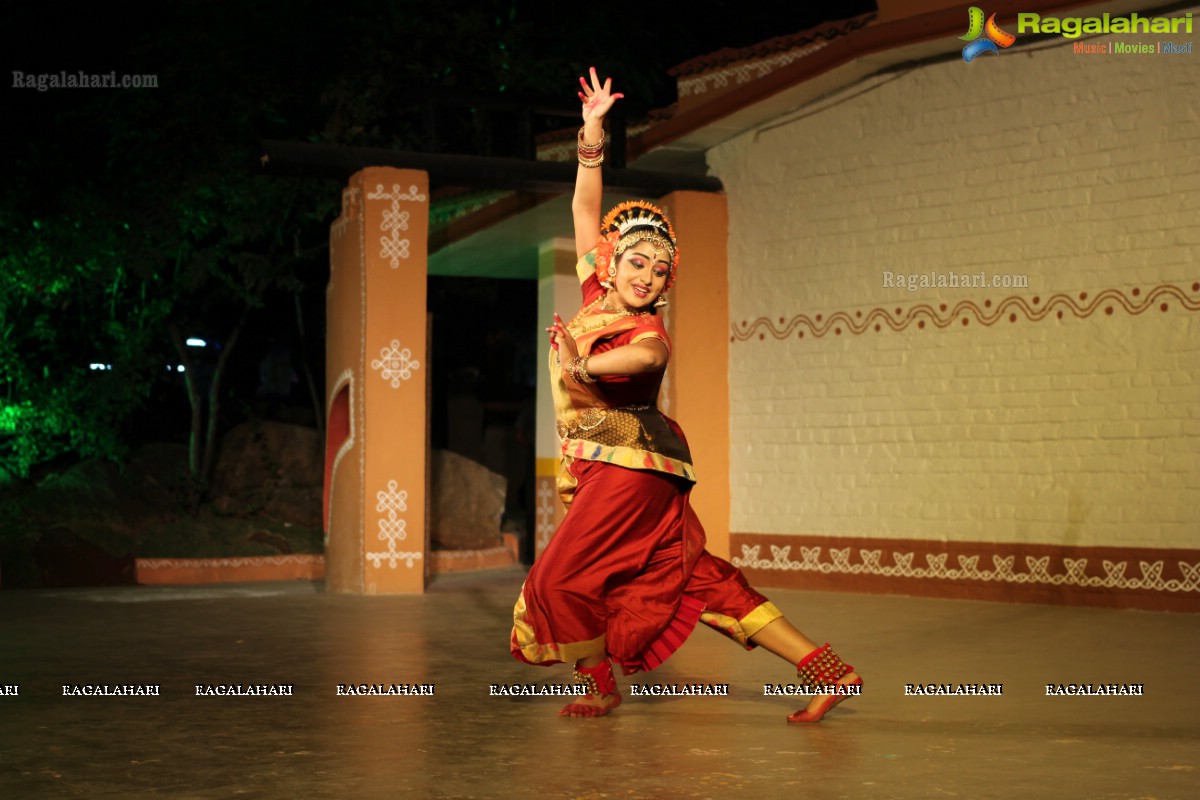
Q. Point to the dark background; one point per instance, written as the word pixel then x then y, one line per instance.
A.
pixel 129 214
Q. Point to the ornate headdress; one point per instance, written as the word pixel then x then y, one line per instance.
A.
pixel 627 224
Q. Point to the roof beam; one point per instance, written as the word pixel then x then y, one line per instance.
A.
pixel 477 172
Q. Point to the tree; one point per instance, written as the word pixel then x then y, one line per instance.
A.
pixel 78 343
pixel 135 217
pixel 166 231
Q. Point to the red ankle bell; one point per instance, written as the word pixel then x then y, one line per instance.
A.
pixel 599 679
pixel 821 670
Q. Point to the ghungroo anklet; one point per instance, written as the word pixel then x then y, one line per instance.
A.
pixel 599 679
pixel 822 667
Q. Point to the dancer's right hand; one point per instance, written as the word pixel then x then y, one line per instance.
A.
pixel 597 97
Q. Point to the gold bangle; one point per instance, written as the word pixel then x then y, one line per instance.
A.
pixel 597 146
pixel 591 163
pixel 578 370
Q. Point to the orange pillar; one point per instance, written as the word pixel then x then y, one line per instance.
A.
pixel 558 290
pixel 696 392
pixel 376 480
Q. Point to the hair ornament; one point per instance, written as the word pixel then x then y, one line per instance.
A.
pixel 627 224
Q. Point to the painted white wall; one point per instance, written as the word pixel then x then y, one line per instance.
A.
pixel 1079 173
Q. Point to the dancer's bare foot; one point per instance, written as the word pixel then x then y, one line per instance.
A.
pixel 591 705
pixel 821 704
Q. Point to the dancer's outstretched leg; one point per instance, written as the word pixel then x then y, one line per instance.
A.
pixel 816 667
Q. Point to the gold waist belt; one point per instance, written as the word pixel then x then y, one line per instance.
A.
pixel 638 427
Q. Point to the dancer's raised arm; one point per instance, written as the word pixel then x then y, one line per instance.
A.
pixel 597 99
pixel 627 473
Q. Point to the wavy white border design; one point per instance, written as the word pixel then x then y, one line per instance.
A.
pixel 968 568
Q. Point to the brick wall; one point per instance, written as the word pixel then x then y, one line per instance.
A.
pixel 984 423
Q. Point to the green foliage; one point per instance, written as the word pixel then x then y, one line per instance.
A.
pixel 68 304
pixel 130 211
pixel 157 220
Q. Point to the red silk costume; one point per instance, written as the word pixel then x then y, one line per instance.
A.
pixel 626 573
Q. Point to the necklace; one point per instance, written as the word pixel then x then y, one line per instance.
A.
pixel 587 321
pixel 624 312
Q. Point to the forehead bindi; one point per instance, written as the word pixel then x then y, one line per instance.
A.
pixel 649 253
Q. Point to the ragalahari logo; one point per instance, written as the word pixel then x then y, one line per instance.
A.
pixel 996 38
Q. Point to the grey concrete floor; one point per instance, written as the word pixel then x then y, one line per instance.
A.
pixel 463 743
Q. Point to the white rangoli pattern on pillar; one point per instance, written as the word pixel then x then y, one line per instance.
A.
pixel 395 364
pixel 392 528
pixel 392 246
pixel 544 514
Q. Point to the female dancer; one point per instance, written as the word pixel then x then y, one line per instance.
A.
pixel 626 577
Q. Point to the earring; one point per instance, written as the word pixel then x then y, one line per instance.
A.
pixel 612 273
pixel 660 302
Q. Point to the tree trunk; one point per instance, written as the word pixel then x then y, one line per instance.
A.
pixel 214 403
pixel 196 402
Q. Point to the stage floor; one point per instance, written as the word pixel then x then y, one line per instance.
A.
pixel 463 742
